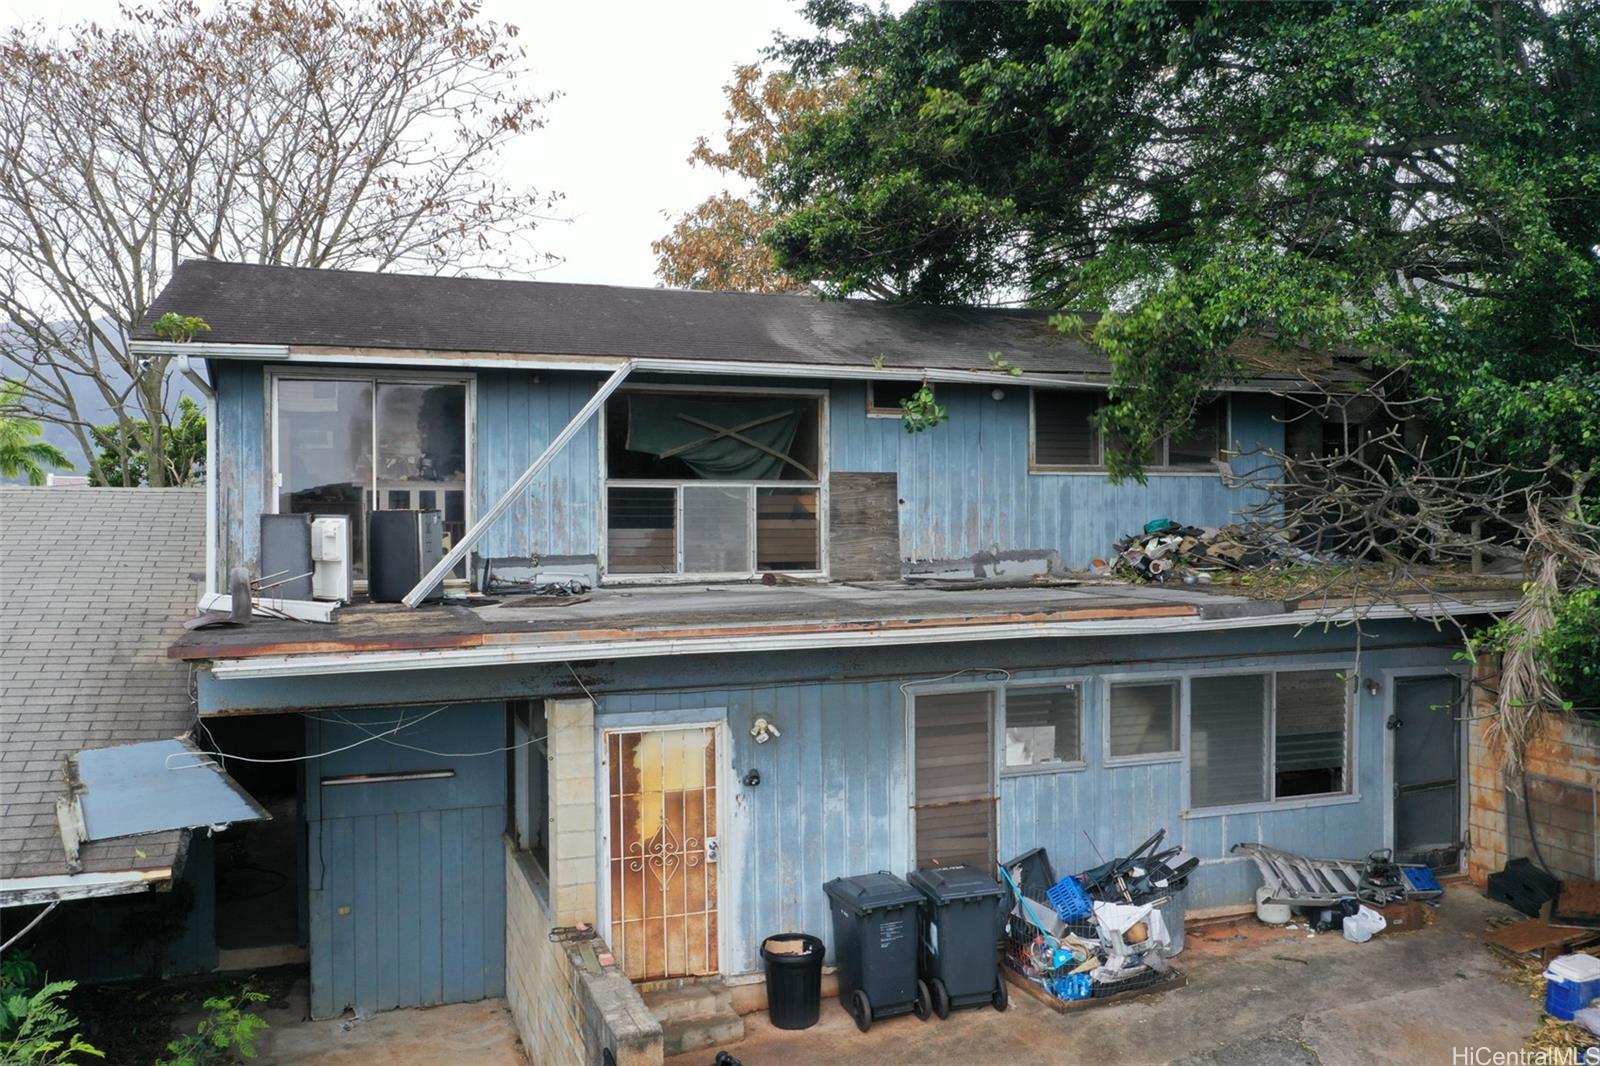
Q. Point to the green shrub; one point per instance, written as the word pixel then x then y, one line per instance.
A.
pixel 1570 650
pixel 41 1031
pixel 230 1029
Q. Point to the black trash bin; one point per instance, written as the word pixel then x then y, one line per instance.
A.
pixel 961 913
pixel 875 947
pixel 794 979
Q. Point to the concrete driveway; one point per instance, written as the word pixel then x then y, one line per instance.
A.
pixel 1255 995
pixel 479 1034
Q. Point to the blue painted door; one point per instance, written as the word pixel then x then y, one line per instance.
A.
pixel 407 892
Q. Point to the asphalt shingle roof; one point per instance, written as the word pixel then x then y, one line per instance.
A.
pixel 253 304
pixel 94 586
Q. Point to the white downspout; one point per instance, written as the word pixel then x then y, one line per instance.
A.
pixel 183 366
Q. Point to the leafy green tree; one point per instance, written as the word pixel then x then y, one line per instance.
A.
pixel 22 453
pixel 1420 181
pixel 1414 185
pixel 123 460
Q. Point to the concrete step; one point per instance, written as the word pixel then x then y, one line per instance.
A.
pixel 695 1015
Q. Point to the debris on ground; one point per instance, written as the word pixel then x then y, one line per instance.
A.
pixel 1107 931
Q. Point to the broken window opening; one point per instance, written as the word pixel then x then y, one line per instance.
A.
pixel 713 485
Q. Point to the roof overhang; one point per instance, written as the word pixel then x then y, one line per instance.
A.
pixel 52 888
pixel 803 637
pixel 298 355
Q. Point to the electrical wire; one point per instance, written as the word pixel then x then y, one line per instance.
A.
pixel 342 720
pixel 307 758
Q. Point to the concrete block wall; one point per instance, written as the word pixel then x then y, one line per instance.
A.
pixel 571 1003
pixel 1564 752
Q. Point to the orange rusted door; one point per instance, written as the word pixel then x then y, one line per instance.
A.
pixel 663 792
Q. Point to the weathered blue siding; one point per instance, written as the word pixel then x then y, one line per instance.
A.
pixel 518 414
pixel 968 489
pixel 243 462
pixel 834 794
pixel 407 878
pixel 966 484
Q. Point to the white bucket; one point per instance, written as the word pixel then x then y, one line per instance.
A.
pixel 1271 913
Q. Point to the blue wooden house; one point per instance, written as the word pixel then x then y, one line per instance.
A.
pixel 813 644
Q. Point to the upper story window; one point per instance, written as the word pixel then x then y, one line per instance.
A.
pixel 713 484
pixel 1066 438
pixel 883 397
pixel 353 443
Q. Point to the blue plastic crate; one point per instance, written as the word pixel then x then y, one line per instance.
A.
pixel 1421 879
pixel 1069 899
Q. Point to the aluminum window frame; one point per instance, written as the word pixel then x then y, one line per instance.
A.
pixel 1180 711
pixel 820 486
pixel 1352 712
pixel 1080 682
pixel 275 374
pixel 1216 467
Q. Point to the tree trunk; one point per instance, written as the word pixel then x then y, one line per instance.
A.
pixel 156 419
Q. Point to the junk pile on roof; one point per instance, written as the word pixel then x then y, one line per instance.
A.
pixel 1165 550
pixel 1107 931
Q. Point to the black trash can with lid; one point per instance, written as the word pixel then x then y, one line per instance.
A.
pixel 875 947
pixel 961 916
pixel 794 979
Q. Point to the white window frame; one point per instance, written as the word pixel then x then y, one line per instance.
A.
pixel 1352 714
pixel 1162 469
pixel 377 377
pixel 1180 709
pixel 820 486
pixel 1077 681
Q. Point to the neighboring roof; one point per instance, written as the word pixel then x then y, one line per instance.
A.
pixel 94 586
pixel 699 619
pixel 299 307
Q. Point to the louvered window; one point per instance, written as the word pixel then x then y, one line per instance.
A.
pixel 1065 436
pixel 1254 738
pixel 1228 740
pixel 1043 727
pixel 1143 722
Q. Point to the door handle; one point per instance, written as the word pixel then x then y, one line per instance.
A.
pixel 1393 722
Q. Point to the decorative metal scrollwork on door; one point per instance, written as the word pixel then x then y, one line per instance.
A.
pixel 664 855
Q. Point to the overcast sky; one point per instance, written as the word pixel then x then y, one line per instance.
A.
pixel 640 81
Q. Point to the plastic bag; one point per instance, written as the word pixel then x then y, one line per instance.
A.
pixel 1360 926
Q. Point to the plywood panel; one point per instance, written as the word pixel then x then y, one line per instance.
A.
pixel 864 527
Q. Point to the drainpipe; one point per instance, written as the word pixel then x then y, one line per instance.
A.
pixel 183 366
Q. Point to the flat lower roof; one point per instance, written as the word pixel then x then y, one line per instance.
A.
pixel 670 619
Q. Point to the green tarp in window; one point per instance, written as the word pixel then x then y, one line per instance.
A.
pixel 666 426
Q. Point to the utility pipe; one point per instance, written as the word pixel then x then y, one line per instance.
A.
pixel 460 549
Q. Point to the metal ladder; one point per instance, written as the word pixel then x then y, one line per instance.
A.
pixel 1301 881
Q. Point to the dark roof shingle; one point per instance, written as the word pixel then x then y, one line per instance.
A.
pixel 254 304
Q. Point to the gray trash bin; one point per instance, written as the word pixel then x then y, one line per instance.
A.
pixel 875 947
pixel 962 912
